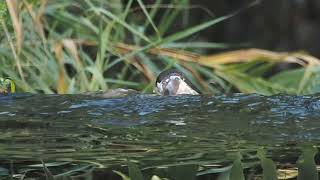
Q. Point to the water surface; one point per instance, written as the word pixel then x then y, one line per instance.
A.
pixel 153 130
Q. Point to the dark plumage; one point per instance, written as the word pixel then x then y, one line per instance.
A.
pixel 166 73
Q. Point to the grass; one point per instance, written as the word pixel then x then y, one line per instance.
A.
pixel 73 47
pixel 67 47
pixel 70 47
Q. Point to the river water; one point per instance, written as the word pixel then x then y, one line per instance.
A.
pixel 154 130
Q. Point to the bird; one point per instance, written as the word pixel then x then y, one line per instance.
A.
pixel 172 82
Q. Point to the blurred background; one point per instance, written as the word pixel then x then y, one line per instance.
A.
pixel 281 25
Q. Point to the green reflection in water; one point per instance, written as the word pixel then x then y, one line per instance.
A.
pixel 156 131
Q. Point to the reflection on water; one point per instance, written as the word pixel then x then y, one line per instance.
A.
pixel 153 129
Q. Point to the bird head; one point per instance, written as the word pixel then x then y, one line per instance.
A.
pixel 172 82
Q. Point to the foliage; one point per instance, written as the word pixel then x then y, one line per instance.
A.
pixel 68 47
pixel 75 46
pixel 3 10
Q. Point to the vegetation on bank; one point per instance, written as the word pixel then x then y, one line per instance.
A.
pixel 78 46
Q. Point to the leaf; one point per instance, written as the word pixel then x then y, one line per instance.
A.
pixel 248 84
pixel 112 16
pixel 247 55
pixel 85 172
pixel 12 86
pixel 17 24
pixel 236 172
pixel 224 176
pixel 3 11
pixel 217 170
pixel 61 85
pixel 71 46
pixel 306 165
pixel 297 80
pixel 123 176
pixel 134 171
pixel 289 78
pixel 173 53
pixel 230 57
pixel 183 172
pixel 202 26
pixel 195 29
pixel 48 174
pixel 53 164
pixel 200 45
pixel 268 167
pixel 149 18
pixel 310 80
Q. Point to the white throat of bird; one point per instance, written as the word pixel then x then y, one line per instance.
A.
pixel 174 85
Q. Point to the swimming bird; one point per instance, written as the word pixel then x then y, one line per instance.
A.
pixel 173 82
pixel 170 82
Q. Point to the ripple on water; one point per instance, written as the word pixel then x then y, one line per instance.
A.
pixel 88 124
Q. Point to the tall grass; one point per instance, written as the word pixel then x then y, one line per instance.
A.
pixel 73 46
pixel 69 46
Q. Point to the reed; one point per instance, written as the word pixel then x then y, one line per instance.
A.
pixel 69 47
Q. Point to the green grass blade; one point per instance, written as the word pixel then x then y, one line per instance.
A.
pixel 170 16
pixel 185 172
pixel 153 12
pixel 149 18
pixel 123 176
pixel 236 172
pixel 48 174
pixel 248 84
pixel 306 165
pixel 199 45
pixel 99 10
pixel 268 167
pixel 134 171
pixel 195 29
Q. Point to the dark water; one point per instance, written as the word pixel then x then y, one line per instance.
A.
pixel 152 129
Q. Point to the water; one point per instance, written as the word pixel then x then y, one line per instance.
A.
pixel 154 130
